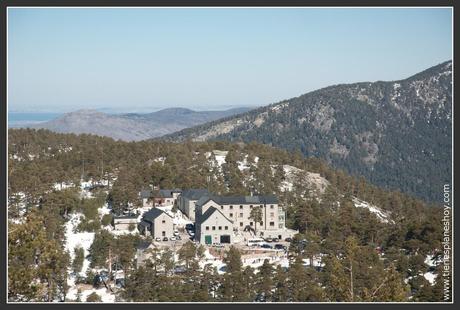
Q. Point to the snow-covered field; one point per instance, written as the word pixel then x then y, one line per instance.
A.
pixel 83 240
pixel 80 239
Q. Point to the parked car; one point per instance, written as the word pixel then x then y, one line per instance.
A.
pixel 266 246
pixel 157 239
pixel 189 227
pixel 276 240
pixel 280 247
pixel 288 239
pixel 178 237
pixel 179 269
pixel 218 245
pixel 165 239
pixel 172 238
pixel 269 239
pixel 176 233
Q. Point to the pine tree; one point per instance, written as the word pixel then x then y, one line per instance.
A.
pixel 265 281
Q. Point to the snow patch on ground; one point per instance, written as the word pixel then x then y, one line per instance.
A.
pixel 83 240
pixel 106 295
pixel 430 261
pixel 383 216
pixel 60 186
pixel 430 277
pixel 80 239
pixel 210 259
pixel 220 156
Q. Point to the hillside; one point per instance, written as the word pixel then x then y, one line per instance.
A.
pixel 133 127
pixel 396 134
pixel 392 241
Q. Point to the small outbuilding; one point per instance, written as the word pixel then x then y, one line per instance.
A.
pixel 156 223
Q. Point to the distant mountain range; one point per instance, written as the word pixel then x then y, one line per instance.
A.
pixel 397 134
pixel 133 126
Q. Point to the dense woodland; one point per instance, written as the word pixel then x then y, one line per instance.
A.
pixel 396 134
pixel 350 239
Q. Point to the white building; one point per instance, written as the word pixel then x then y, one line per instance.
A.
pixel 237 209
pixel 187 200
pixel 156 223
pixel 213 227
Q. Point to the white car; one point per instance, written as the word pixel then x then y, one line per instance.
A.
pixel 172 238
pixel 176 233
pixel 157 239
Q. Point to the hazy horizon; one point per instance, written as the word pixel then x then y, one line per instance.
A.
pixel 147 59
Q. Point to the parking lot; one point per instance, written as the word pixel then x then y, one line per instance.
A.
pixel 176 244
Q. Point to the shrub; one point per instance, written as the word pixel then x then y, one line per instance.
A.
pixel 106 219
pixel 131 227
pixel 93 297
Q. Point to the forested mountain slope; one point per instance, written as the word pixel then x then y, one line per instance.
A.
pixel 397 134
pixel 389 238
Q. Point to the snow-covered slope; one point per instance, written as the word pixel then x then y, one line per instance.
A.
pixel 382 215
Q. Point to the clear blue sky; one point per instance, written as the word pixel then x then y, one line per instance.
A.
pixel 145 59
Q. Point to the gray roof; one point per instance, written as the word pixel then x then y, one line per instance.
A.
pixel 203 200
pixel 208 213
pixel 152 214
pixel 194 194
pixel 129 216
pixel 228 200
pixel 166 193
pixel 145 193
pixel 162 193
pixel 145 224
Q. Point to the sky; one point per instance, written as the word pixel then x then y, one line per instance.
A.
pixel 145 59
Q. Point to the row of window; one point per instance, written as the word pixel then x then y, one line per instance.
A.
pixel 261 224
pixel 250 206
pixel 272 224
pixel 214 228
pixel 272 214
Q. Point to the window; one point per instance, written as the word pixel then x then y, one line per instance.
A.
pixel 261 223
pixel 231 207
pixel 281 218
pixel 272 206
pixel 213 227
pixel 163 233
pixel 250 206
pixel 220 227
pixel 207 227
pixel 280 225
pixel 226 227
pixel 280 209
pixel 241 207
pixel 231 214
pixel 251 223
pixel 272 214
pixel 241 224
pixel 163 221
pixel 241 214
pixel 272 223
pixel 221 207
